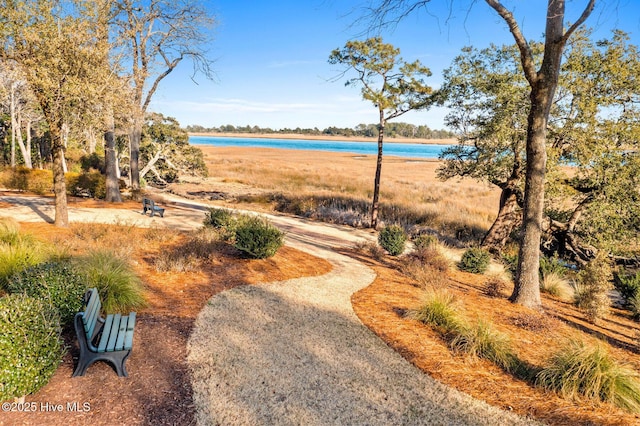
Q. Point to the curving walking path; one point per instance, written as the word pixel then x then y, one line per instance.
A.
pixel 294 352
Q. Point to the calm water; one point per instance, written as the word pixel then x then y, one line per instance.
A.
pixel 410 150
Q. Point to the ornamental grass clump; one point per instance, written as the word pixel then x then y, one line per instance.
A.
pixel 475 260
pixel 483 341
pixel 30 345
pixel 57 283
pixel 392 239
pixel 440 310
pixel 581 371
pixel 119 287
pixel 257 238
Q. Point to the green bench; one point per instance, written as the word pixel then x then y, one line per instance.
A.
pixel 149 204
pixel 107 339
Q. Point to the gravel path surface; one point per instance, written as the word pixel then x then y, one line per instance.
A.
pixel 294 353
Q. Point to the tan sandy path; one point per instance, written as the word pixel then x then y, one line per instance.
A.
pixel 294 352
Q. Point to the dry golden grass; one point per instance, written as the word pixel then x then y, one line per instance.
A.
pixel 464 207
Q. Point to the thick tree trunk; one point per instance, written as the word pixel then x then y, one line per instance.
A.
pixel 527 286
pixel 110 160
pixel 509 217
pixel 59 183
pixel 376 183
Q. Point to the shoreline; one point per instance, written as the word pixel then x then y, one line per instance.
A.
pixel 324 137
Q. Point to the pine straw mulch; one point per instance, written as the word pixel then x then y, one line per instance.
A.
pixel 534 335
pixel 158 390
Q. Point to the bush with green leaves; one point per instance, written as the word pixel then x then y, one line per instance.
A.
pixel 628 285
pixel 392 239
pixel 57 283
pixel 220 218
pixel 257 237
pixel 30 345
pixel 475 260
pixel 579 370
pixel 119 287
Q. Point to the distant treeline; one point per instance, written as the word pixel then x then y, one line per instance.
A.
pixel 400 130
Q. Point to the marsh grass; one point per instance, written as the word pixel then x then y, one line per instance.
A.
pixel 411 195
pixel 119 287
pixel 580 371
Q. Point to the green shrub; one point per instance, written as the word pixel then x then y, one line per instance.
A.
pixel 425 241
pixel 219 218
pixel 58 283
pixel 578 370
pixel 439 309
pixel 392 239
pixel 17 251
pixel 91 183
pixel 30 345
pixel 257 237
pixel 483 341
pixel 119 287
pixel 592 289
pixel 475 260
pixel 628 285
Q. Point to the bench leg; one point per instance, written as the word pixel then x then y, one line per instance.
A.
pixel 116 359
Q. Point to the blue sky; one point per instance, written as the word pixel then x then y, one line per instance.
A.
pixel 271 57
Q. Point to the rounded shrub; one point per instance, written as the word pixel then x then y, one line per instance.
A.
pixel 119 287
pixel 30 345
pixel 257 237
pixel 219 218
pixel 392 239
pixel 57 283
pixel 475 260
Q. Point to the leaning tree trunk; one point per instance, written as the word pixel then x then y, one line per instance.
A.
pixel 376 182
pixel 509 217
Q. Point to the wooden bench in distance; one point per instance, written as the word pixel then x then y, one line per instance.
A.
pixel 103 339
pixel 149 204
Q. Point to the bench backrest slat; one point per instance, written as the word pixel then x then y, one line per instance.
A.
pixel 91 313
pixel 111 344
pixel 128 340
pixel 102 345
pixel 121 332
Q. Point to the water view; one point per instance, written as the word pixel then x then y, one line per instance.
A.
pixel 410 150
